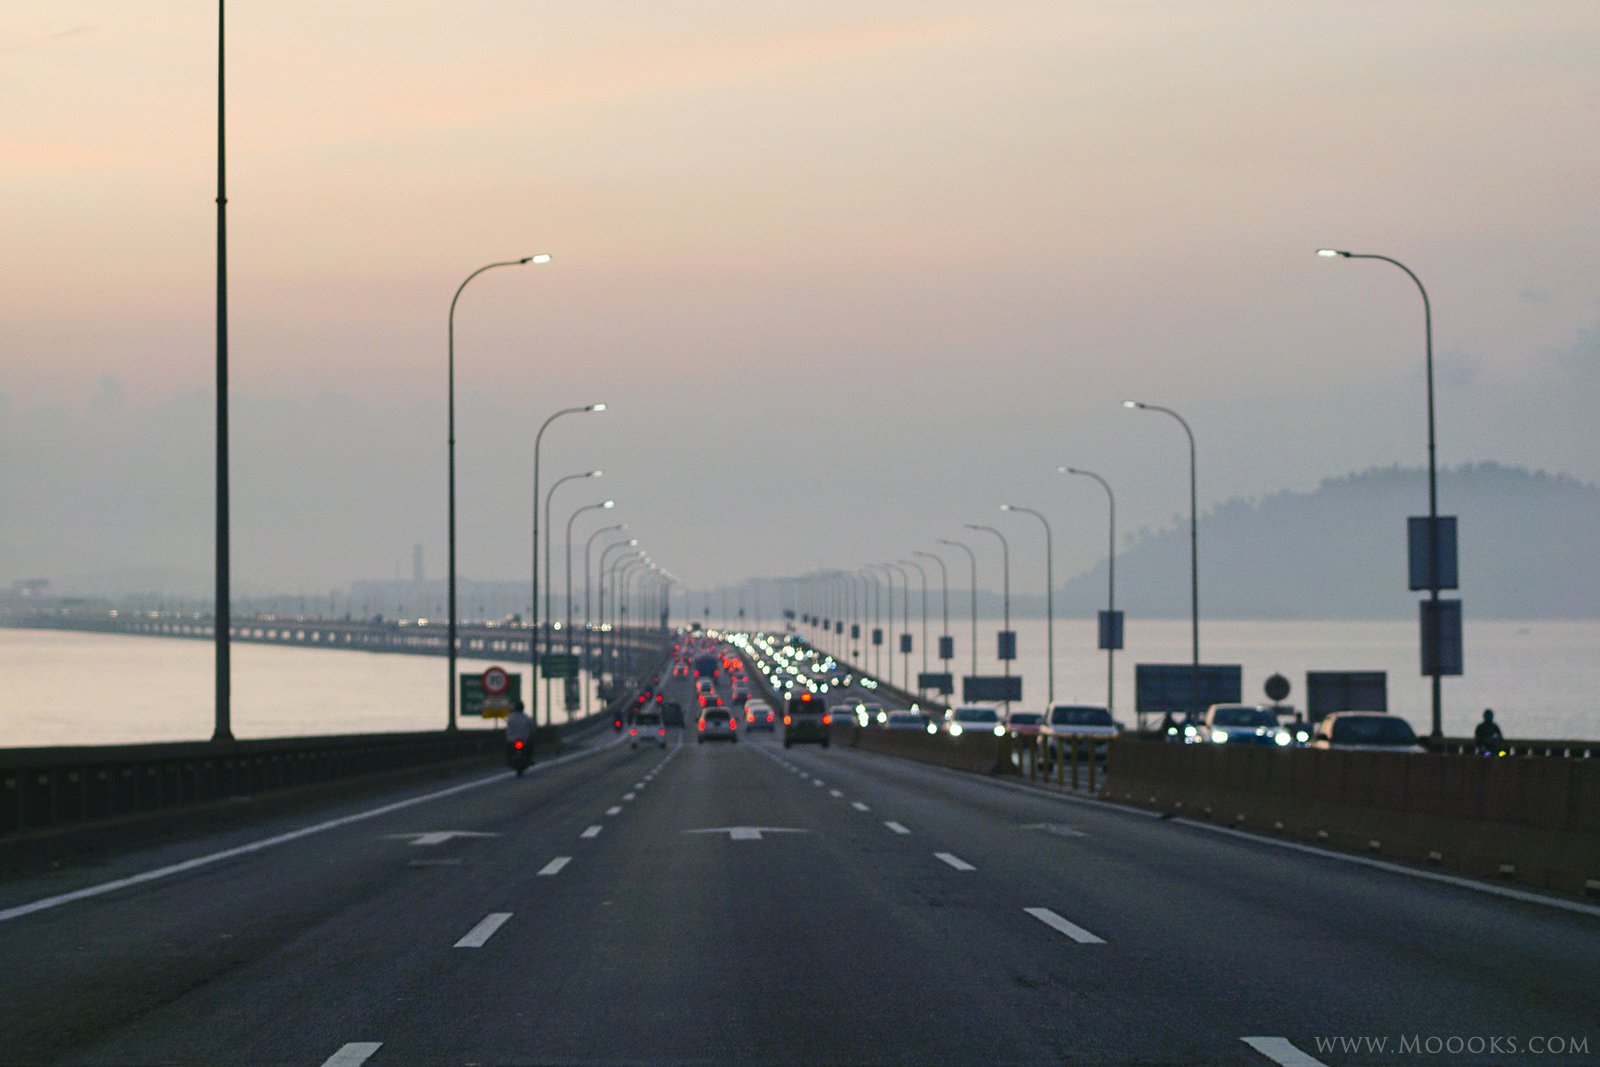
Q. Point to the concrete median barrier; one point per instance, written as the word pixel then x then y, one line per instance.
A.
pixel 1533 820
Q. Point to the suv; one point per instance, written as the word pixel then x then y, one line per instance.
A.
pixel 717 723
pixel 805 720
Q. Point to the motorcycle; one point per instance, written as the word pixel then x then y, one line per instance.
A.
pixel 519 755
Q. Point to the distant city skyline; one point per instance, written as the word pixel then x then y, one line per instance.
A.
pixel 848 277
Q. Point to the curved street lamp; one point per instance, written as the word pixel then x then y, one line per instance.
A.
pixel 1194 555
pixel 1111 577
pixel 1049 593
pixel 972 558
pixel 549 626
pixel 602 506
pixel 1005 558
pixel 1433 477
pixel 450 639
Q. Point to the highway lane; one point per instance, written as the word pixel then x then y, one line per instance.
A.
pixel 908 915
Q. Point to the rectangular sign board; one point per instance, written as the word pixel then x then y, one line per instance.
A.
pixel 1169 686
pixel 1111 630
pixel 1441 637
pixel 1006 646
pixel 1330 691
pixel 990 687
pixel 559 665
pixel 1421 551
pixel 943 684
pixel 474 703
pixel 905 644
pixel 947 648
pixel 877 635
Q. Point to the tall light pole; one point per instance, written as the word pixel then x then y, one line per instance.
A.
pixel 888 574
pixel 874 631
pixel 1049 593
pixel 1005 564
pixel 972 558
pixel 945 640
pixel 607 642
pixel 588 619
pixel 1194 555
pixel 1433 487
pixel 905 620
pixel 450 638
pixel 924 576
pixel 222 609
pixel 603 505
pixel 1111 638
pixel 549 568
pixel 533 621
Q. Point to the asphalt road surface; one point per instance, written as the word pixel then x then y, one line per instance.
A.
pixel 740 903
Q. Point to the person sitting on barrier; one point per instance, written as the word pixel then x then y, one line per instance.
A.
pixel 518 727
pixel 1488 735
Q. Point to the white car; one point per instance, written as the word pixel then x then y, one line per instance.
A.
pixel 647 729
pixel 973 718
pixel 716 724
pixel 1079 720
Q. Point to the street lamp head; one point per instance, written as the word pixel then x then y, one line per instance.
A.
pixel 542 257
pixel 1007 507
pixel 972 526
pixel 595 407
pixel 1132 404
pixel 1329 253
pixel 609 504
pixel 632 542
pixel 594 474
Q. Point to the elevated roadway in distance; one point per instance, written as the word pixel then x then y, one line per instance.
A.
pixel 742 903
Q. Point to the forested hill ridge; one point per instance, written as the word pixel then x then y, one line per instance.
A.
pixel 1529 543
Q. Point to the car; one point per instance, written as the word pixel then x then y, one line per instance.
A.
pixel 707 665
pixel 1365 731
pixel 973 718
pixel 908 720
pixel 805 720
pixel 758 715
pixel 672 714
pixel 1240 724
pixel 1079 720
pixel 647 728
pixel 847 713
pixel 1025 723
pixel 717 724
pixel 741 694
pixel 874 713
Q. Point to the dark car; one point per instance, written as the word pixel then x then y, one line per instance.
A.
pixel 805 720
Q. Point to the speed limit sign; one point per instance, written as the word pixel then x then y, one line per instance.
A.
pixel 495 682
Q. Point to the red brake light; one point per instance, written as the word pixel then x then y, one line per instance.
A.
pixel 633 732
pixel 733 724
pixel 516 744
pixel 702 724
pixel 662 731
pixel 827 719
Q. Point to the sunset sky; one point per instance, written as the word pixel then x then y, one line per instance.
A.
pixel 847 274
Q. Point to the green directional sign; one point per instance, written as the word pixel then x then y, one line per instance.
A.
pixel 559 665
pixel 476 701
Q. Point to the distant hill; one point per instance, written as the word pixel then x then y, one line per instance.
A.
pixel 1528 542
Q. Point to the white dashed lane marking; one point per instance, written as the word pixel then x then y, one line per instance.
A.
pixel 859 806
pixel 593 831
pixel 955 861
pixel 353 1055
pixel 614 811
pixel 1279 1050
pixel 835 793
pixel 897 828
pixel 554 866
pixel 478 935
pixel 1056 922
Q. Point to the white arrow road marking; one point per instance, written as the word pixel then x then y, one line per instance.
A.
pixel 554 866
pixel 1056 922
pixel 897 828
pixel 484 931
pixel 955 861
pixel 746 833
pixel 1055 828
pixel 1279 1050
pixel 436 837
pixel 353 1055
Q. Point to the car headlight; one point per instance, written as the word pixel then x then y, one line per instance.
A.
pixel 932 729
pixel 1301 736
pixel 1283 739
pixel 1189 731
pixel 1219 737
pixel 999 731
pixel 955 729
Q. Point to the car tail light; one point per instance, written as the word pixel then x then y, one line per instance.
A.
pixel 662 731
pixel 633 732
pixel 732 724
pixel 702 725
pixel 516 744
pixel 786 720
pixel 827 720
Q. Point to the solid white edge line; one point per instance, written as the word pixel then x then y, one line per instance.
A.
pixel 554 866
pixel 591 832
pixel 478 935
pixel 897 828
pixel 1280 1051
pixel 1396 868
pixel 1057 923
pixel 1526 897
pixel 353 1054
pixel 955 861
pixel 281 839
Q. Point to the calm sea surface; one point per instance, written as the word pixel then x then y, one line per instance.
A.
pixel 1542 678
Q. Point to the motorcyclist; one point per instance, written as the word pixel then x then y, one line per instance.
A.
pixel 1488 736
pixel 518 728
